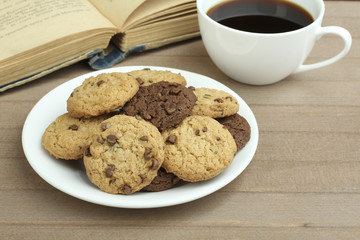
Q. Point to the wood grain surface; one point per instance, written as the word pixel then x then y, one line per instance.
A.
pixel 303 183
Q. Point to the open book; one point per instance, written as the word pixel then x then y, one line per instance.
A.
pixel 41 36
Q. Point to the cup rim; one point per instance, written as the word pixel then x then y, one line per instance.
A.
pixel 317 20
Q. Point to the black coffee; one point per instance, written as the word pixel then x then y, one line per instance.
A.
pixel 261 16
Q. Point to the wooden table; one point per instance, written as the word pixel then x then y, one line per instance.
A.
pixel 303 183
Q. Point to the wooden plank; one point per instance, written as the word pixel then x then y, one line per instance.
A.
pixel 303 118
pixel 298 177
pixel 308 147
pixel 136 231
pixel 220 208
pixel 220 213
pixel 267 175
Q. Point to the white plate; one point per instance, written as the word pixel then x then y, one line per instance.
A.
pixel 70 176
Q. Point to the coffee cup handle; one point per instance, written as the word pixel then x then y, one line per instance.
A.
pixel 339 31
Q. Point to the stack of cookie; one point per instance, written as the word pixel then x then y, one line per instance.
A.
pixel 145 130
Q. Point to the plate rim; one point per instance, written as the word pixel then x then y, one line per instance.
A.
pixel 216 185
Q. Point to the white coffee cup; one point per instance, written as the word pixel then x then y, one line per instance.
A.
pixel 263 58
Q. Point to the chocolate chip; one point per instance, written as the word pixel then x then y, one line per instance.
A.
pixel 146 69
pixel 219 100
pixel 147 153
pixel 143 177
pixel 175 180
pixel 218 139
pixel 104 126
pixel 171 139
pixel 74 127
pixel 173 84
pixel 99 83
pixel 112 181
pixel 170 109
pixel 197 132
pixel 230 98
pixel 204 129
pixel 147 116
pixel 126 189
pixel 110 170
pixel 144 138
pixel 175 90
pixel 140 81
pixel 99 139
pixel 111 139
pixel 87 152
pixel 154 164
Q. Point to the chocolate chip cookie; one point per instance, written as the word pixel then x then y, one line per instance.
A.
pixel 146 77
pixel 125 156
pixel 239 128
pixel 66 137
pixel 101 94
pixel 164 104
pixel 214 103
pixel 199 149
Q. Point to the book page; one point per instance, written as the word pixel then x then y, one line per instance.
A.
pixel 151 7
pixel 117 11
pixel 27 24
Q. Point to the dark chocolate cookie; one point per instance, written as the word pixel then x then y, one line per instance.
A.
pixel 164 104
pixel 162 181
pixel 238 127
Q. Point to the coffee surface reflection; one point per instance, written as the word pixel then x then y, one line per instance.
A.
pixel 261 16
